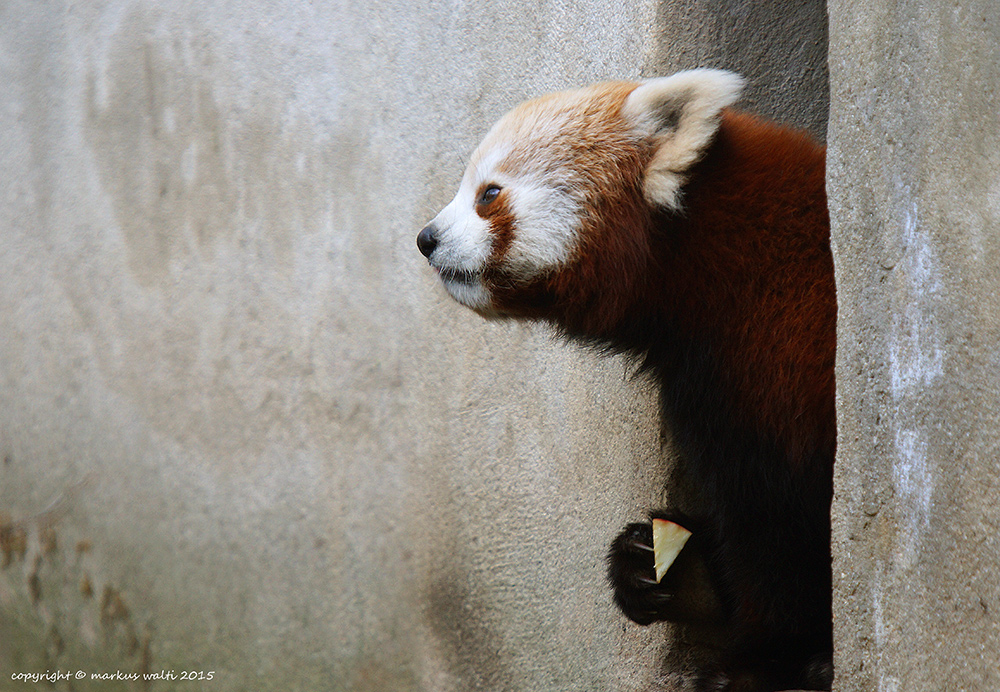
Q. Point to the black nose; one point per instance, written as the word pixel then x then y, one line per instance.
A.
pixel 427 241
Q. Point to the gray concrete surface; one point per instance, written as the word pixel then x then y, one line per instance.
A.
pixel 242 430
pixel 915 200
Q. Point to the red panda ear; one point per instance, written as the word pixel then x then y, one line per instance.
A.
pixel 680 114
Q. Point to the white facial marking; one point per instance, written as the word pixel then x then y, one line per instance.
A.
pixel 464 245
pixel 547 222
pixel 464 241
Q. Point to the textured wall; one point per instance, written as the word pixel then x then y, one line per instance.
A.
pixel 242 429
pixel 915 202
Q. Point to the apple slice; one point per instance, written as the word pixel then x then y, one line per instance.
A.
pixel 668 539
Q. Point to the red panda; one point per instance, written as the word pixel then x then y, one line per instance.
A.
pixel 648 218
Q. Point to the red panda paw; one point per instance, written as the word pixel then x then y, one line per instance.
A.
pixel 633 578
pixel 683 595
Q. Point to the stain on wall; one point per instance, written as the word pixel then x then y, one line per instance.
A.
pixel 48 590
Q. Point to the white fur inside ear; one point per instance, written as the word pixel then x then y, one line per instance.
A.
pixel 680 113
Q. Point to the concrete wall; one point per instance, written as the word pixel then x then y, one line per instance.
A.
pixel 242 430
pixel 915 202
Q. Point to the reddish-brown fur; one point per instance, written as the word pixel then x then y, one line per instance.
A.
pixel 756 244
pixel 746 264
pixel 731 304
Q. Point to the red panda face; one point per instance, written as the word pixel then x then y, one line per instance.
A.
pixel 521 208
pixel 556 178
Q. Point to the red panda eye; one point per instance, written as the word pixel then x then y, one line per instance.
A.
pixel 489 194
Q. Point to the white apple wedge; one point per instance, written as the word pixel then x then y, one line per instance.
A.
pixel 668 539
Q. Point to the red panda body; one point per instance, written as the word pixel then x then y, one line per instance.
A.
pixel 695 239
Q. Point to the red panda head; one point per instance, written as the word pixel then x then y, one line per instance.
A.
pixel 555 203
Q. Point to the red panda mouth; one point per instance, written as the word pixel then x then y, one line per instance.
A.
pixel 457 275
